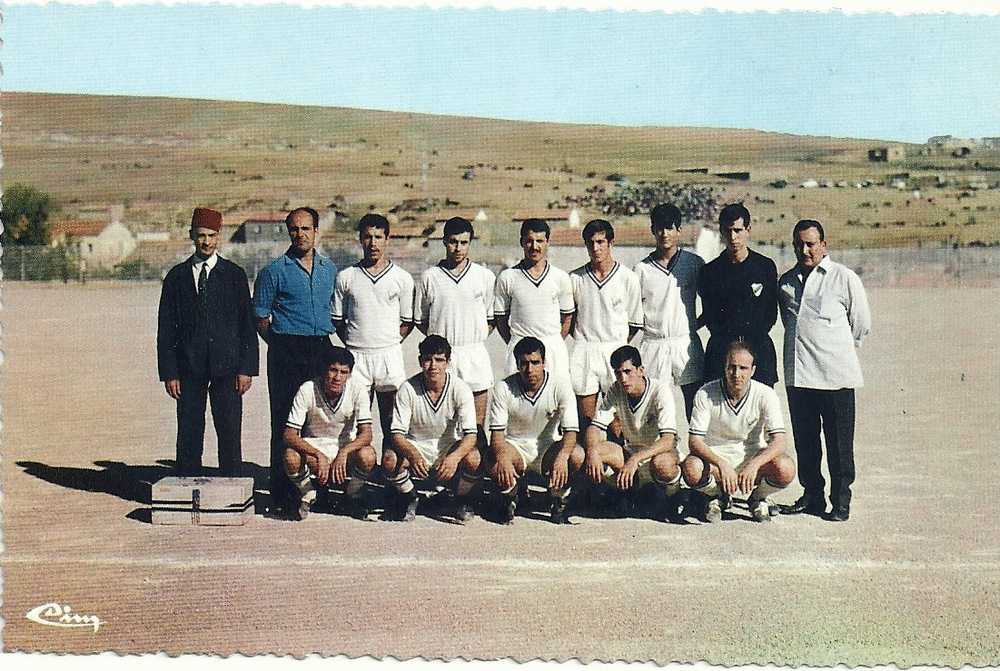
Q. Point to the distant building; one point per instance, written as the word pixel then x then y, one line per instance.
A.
pixel 886 153
pixel 475 216
pixel 990 142
pixel 100 243
pixel 261 227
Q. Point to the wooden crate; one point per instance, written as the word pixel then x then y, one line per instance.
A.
pixel 202 501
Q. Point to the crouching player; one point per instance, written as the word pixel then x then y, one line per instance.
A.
pixel 737 440
pixel 533 424
pixel 645 407
pixel 433 435
pixel 328 435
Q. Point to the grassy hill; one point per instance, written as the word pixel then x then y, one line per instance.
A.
pixel 162 156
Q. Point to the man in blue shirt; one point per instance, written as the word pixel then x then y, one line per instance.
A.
pixel 292 298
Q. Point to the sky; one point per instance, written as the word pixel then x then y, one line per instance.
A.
pixel 846 75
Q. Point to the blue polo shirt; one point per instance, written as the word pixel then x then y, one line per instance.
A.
pixel 297 302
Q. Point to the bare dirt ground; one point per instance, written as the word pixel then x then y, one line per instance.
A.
pixel 914 577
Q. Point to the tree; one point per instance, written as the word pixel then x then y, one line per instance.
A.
pixel 25 214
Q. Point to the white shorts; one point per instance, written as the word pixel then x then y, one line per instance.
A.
pixel 328 446
pixel 531 451
pixel 431 450
pixel 590 367
pixel 736 456
pixel 556 355
pixel 663 359
pixel 472 365
pixel 381 368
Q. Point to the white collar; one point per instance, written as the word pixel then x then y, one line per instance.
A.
pixel 197 262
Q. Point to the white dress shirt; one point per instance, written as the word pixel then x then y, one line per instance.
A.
pixel 197 262
pixel 826 317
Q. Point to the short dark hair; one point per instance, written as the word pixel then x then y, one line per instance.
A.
pixel 433 344
pixel 733 212
pixel 313 214
pixel 534 226
pixel 595 226
pixel 623 354
pixel 457 226
pixel 805 225
pixel 529 345
pixel 740 346
pixel 665 215
pixel 373 220
pixel 336 354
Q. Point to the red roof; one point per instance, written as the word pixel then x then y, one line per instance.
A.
pixel 76 228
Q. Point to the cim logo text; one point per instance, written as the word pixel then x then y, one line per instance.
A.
pixel 56 615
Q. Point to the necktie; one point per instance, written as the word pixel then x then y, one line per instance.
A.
pixel 202 294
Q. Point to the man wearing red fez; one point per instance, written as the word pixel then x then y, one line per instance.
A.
pixel 206 347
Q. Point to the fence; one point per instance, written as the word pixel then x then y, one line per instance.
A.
pixel 924 267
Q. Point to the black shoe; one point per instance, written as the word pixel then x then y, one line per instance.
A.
pixel 408 506
pixel 557 511
pixel 356 508
pixel 508 508
pixel 297 509
pixel 673 508
pixel 839 514
pixel 810 505
pixel 463 509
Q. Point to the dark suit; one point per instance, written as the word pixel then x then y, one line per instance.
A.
pixel 206 345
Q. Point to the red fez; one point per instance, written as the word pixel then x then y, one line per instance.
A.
pixel 206 218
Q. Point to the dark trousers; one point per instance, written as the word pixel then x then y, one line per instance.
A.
pixel 688 391
pixel 227 415
pixel 291 360
pixel 834 410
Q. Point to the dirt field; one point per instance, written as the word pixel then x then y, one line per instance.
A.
pixel 914 577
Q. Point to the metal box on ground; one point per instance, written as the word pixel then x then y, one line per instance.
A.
pixel 207 501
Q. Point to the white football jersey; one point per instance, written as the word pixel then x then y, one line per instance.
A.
pixel 541 418
pixel 451 417
pixel 606 309
pixel 644 420
pixel 739 430
pixel 316 417
pixel 456 307
pixel 664 311
pixel 534 307
pixel 373 306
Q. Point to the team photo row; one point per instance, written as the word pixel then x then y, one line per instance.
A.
pixel 589 430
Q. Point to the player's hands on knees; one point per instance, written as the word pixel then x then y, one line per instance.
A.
pixel 419 467
pixel 445 468
pixel 173 388
pixel 338 469
pixel 747 477
pixel 728 479
pixel 322 469
pixel 626 476
pixel 594 465
pixel 560 472
pixel 506 473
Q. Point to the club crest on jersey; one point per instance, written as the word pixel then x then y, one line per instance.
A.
pixel 756 288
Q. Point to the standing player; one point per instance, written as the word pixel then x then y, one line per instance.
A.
pixel 433 433
pixel 825 312
pixel 373 313
pixel 608 315
pixel 663 342
pixel 291 298
pixel 328 435
pixel 533 424
pixel 739 298
pixel 645 408
pixel 534 298
pixel 737 440
pixel 454 299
